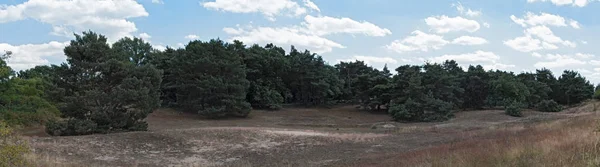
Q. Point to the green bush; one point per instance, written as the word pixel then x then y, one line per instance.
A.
pixel 429 110
pixel 514 109
pixel 597 94
pixel 21 103
pixel 12 148
pixel 71 127
pixel 548 106
pixel 409 111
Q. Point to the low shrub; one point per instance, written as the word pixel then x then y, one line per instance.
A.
pixel 71 127
pixel 12 148
pixel 514 109
pixel 548 106
pixel 427 111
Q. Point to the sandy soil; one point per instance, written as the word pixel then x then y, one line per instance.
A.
pixel 341 136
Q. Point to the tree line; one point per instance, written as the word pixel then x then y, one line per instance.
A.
pixel 104 88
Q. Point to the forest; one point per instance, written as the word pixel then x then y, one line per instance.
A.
pixel 104 88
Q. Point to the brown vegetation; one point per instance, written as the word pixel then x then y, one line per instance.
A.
pixel 337 137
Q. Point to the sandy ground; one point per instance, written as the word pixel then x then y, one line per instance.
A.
pixel 341 136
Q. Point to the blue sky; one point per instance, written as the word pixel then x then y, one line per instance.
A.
pixel 513 35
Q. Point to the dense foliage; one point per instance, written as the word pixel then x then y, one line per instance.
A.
pixel 597 92
pixel 548 106
pixel 12 148
pixel 107 88
pixel 22 100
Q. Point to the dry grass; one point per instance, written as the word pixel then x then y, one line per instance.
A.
pixel 574 142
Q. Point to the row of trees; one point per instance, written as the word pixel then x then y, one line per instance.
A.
pixel 103 88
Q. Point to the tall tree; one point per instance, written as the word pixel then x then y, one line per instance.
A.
pixel 310 80
pixel 573 88
pixel 167 62
pixel 135 50
pixel 104 93
pixel 265 68
pixel 212 80
pixel 475 83
pixel 538 91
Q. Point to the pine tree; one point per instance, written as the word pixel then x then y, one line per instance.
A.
pixel 212 80
pixel 104 92
pixel 573 88
pixel 475 84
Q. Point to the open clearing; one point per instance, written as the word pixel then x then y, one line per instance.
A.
pixel 342 136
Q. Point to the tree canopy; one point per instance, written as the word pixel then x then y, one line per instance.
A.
pixel 104 88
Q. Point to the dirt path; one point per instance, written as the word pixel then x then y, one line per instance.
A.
pixel 290 137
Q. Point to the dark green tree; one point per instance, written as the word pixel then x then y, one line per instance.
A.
pixel 211 80
pixel 265 68
pixel 538 91
pixel 104 92
pixel 573 88
pixel 426 93
pixel 506 89
pixel 135 50
pixel 475 83
pixel 167 62
pixel 310 80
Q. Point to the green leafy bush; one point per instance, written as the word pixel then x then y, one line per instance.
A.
pixel 597 94
pixel 514 109
pixel 21 103
pixel 549 106
pixel 427 111
pixel 12 148
pixel 71 127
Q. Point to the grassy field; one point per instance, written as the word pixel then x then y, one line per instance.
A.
pixel 342 136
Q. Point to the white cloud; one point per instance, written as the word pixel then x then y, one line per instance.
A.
pixel 584 55
pixel 107 17
pixel 574 24
pixel 558 60
pixel 478 56
pixel 30 55
pixel 466 11
pixel 158 1
pixel 578 3
pixel 145 36
pixel 536 54
pixel 159 47
pixel 324 25
pixel 233 31
pixel 584 42
pixel 469 40
pixel 286 36
pixel 595 62
pixel 544 19
pixel 192 37
pixel 311 5
pixel 419 41
pixel 545 34
pixel 498 66
pixel 370 59
pixel 537 38
pixel 269 8
pixel 445 24
pixel 528 44
pixel 486 25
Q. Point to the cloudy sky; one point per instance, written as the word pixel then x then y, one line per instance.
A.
pixel 514 35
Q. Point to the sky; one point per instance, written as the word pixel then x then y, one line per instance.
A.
pixel 511 35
